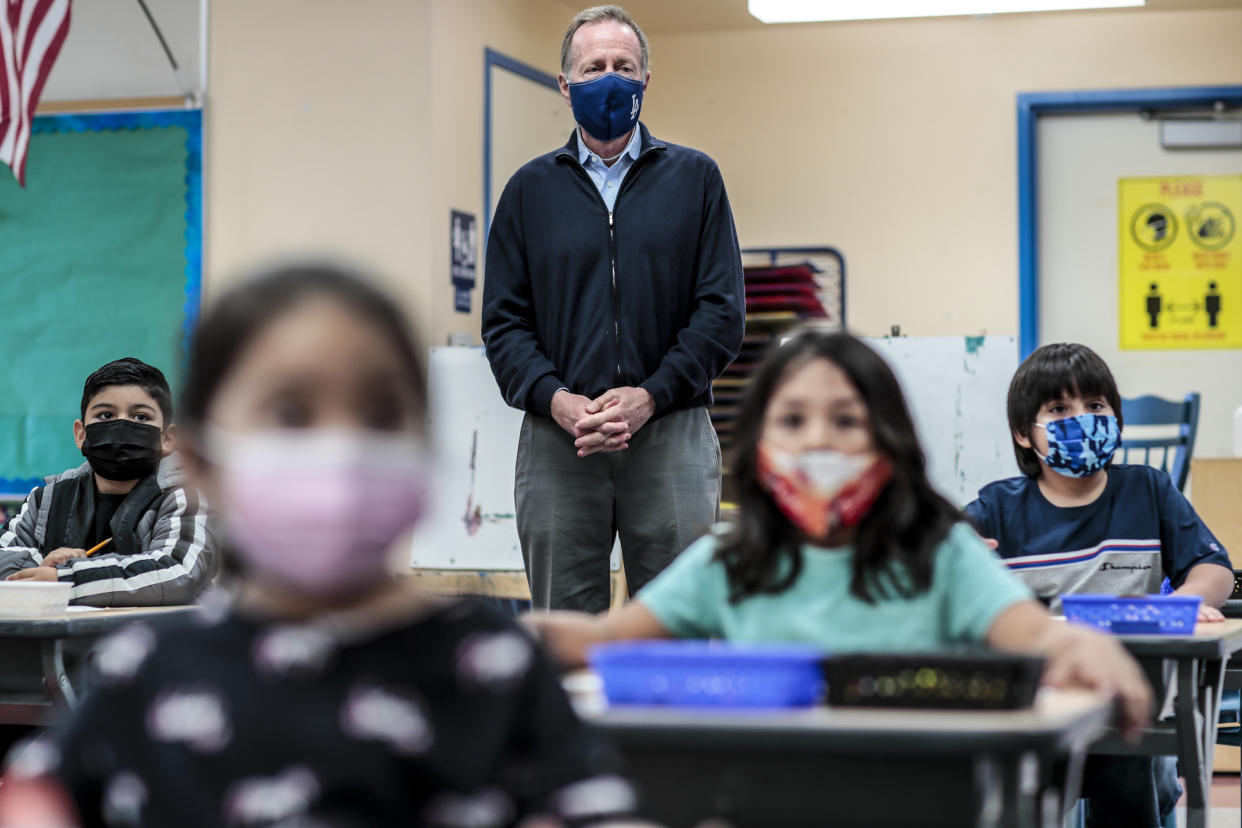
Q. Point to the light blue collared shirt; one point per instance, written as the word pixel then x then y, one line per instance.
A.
pixel 608 179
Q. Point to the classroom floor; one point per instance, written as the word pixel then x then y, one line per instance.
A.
pixel 1226 799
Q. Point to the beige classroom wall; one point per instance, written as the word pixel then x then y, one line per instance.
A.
pixel 896 141
pixel 355 134
pixel 316 137
pixel 529 31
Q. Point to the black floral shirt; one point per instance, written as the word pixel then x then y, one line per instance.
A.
pixel 455 719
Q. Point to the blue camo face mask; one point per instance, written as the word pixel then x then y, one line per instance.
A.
pixel 1081 446
pixel 607 107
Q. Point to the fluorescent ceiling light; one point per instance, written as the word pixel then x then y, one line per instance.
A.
pixel 806 11
pixel 1177 133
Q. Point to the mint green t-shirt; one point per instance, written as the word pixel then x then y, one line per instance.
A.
pixel 970 588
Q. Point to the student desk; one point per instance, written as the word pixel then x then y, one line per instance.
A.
pixel 33 678
pixel 1197 664
pixel 858 766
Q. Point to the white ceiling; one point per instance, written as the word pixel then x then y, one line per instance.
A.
pixel 111 51
pixel 714 15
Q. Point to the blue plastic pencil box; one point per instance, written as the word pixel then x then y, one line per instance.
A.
pixel 1134 614
pixel 709 674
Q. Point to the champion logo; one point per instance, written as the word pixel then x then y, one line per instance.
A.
pixel 1106 567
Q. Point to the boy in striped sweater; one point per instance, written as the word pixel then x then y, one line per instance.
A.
pixel 127 504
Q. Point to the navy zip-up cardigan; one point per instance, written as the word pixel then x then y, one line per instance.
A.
pixel 553 315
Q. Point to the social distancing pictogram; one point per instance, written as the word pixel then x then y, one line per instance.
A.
pixel 1180 262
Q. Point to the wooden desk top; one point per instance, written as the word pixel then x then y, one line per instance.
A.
pixel 1208 641
pixel 84 622
pixel 1060 718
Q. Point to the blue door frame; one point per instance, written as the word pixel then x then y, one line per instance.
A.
pixel 493 58
pixel 1031 105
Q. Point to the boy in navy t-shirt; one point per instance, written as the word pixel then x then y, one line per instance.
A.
pixel 1076 523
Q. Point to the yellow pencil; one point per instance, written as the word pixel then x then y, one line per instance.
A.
pixel 97 547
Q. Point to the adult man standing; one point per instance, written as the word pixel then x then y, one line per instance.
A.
pixel 612 298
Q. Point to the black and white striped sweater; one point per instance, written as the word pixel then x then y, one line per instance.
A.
pixel 163 549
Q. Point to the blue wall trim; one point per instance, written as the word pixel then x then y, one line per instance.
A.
pixel 1031 105
pixel 493 58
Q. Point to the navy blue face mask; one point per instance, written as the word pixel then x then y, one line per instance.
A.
pixel 607 107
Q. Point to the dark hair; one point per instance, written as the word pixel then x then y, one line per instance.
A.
pixel 244 312
pixel 130 371
pixel 1048 374
pixel 762 551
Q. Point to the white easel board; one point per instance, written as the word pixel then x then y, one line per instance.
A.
pixel 474 434
pixel 956 387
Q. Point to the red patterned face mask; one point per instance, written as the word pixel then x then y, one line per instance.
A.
pixel 821 490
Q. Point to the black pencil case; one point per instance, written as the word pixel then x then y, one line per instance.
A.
pixel 969 680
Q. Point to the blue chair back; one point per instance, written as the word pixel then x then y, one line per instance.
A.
pixel 1229 729
pixel 1172 452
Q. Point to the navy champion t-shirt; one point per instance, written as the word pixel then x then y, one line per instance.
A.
pixel 1140 530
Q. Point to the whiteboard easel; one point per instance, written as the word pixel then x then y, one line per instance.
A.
pixel 955 387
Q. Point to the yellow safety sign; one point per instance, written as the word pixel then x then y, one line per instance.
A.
pixel 1181 262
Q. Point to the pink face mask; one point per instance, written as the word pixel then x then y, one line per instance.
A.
pixel 318 509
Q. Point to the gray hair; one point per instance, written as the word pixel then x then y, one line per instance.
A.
pixel 596 14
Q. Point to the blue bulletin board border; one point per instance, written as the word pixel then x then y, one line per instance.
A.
pixel 192 121
pixel 1033 105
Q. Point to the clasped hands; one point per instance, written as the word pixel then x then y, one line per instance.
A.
pixel 606 423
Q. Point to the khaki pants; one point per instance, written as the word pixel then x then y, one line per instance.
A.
pixel 660 494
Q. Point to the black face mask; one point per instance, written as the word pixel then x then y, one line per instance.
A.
pixel 122 449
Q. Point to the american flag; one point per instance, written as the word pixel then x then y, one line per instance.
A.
pixel 31 34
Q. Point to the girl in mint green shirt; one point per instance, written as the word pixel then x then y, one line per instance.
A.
pixel 842 542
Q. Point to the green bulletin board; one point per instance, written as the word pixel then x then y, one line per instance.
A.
pixel 100 258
